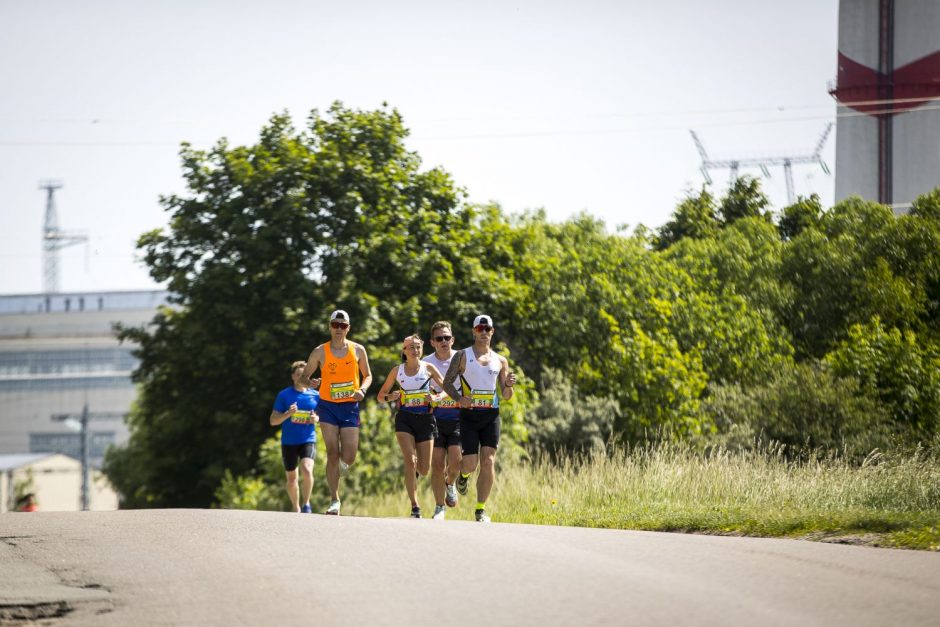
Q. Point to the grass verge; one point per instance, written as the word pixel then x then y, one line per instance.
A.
pixel 889 500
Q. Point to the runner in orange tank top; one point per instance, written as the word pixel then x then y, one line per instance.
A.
pixel 344 379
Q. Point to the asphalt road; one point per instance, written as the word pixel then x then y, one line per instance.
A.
pixel 210 567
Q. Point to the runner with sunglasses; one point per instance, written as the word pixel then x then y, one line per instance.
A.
pixel 447 414
pixel 415 428
pixel 344 378
pixel 480 370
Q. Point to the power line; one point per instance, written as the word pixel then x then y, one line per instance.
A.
pixel 522 134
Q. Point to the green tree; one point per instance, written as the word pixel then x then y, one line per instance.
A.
pixel 265 241
pixel 744 199
pixel 803 214
pixel 564 422
pixel 695 217
pixel 904 372
pixel 804 406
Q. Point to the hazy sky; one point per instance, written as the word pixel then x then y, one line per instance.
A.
pixel 568 106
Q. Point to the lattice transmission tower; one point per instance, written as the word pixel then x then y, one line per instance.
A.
pixel 54 239
pixel 764 162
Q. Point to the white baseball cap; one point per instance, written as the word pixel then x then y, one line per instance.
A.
pixel 339 314
pixel 483 319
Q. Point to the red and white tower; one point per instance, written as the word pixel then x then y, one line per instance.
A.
pixel 888 93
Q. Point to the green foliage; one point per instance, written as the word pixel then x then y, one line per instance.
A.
pixel 744 199
pixel 264 243
pixel 708 330
pixel 805 213
pixel 565 423
pixel 904 372
pixel 261 490
pixel 862 262
pixel 805 407
pixel 696 217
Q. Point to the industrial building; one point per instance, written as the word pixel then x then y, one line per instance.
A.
pixel 60 362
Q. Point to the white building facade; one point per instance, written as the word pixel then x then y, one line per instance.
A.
pixel 60 357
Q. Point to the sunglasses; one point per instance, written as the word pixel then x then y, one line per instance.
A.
pixel 483 328
pixel 339 325
pixel 443 338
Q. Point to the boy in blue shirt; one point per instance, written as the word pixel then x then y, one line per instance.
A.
pixel 295 410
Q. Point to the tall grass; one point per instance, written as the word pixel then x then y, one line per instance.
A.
pixel 891 500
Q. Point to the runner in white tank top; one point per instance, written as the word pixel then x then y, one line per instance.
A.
pixel 485 377
pixel 414 422
pixel 446 453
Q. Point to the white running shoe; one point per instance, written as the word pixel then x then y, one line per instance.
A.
pixel 481 516
pixel 451 495
pixel 440 512
pixel 343 468
pixel 333 509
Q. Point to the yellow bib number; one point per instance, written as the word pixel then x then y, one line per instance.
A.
pixel 300 417
pixel 482 399
pixel 413 399
pixel 342 391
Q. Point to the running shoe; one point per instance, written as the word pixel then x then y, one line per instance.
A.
pixel 306 509
pixel 440 512
pixel 343 468
pixel 462 484
pixel 451 495
pixel 416 512
pixel 481 516
pixel 333 509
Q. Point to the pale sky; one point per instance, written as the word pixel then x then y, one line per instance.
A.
pixel 566 106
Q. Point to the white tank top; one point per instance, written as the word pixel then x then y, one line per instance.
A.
pixel 446 407
pixel 479 381
pixel 414 389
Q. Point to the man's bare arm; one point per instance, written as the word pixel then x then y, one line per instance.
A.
pixel 456 367
pixel 313 362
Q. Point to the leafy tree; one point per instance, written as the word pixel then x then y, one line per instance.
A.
pixel 805 213
pixel 696 217
pixel 264 243
pixel 804 406
pixel 565 423
pixel 862 262
pixel 904 372
pixel 744 199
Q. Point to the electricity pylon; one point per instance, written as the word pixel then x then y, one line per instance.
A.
pixel 54 239
pixel 764 162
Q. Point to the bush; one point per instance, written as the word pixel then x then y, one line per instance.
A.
pixel 565 423
pixel 805 407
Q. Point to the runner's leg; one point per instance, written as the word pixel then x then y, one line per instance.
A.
pixel 331 435
pixel 292 489
pixel 423 454
pixel 453 462
pixel 406 442
pixel 487 473
pixel 306 479
pixel 349 447
pixel 437 474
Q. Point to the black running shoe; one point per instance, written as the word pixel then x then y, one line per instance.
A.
pixel 416 512
pixel 462 484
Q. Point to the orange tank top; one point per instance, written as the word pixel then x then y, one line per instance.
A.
pixel 339 377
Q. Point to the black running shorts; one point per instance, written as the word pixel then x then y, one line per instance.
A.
pixel 478 427
pixel 448 433
pixel 290 453
pixel 421 426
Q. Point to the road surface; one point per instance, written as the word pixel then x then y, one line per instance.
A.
pixel 215 567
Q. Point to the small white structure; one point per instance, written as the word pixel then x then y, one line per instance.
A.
pixel 56 483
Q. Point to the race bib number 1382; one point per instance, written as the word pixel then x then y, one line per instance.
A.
pixel 342 391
